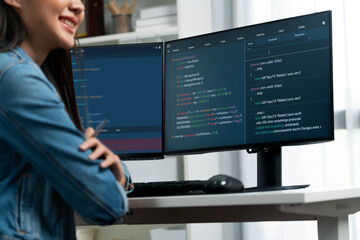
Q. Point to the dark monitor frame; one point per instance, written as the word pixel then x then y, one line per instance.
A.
pixel 146 155
pixel 257 145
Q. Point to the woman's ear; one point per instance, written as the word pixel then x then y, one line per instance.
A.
pixel 13 3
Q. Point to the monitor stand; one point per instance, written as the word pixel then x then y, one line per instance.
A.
pixel 269 170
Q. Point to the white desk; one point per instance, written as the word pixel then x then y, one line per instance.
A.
pixel 329 207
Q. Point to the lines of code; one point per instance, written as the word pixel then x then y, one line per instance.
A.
pixel 203 103
pixel 122 84
pixel 287 94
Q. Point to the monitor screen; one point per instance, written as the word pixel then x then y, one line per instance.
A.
pixel 122 84
pixel 265 85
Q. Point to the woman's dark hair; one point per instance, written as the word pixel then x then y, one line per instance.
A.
pixel 12 30
pixel 57 66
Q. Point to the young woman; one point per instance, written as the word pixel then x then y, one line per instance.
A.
pixel 48 167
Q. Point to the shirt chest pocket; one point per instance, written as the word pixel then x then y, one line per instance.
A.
pixel 30 190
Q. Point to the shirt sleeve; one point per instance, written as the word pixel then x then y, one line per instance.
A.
pixel 34 123
pixel 129 186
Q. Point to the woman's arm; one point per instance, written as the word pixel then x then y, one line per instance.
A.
pixel 100 151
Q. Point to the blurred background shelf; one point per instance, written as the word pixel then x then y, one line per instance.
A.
pixel 131 37
pixel 150 21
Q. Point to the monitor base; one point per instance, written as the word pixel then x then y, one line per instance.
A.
pixel 274 188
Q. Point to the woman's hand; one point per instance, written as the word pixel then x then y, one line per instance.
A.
pixel 101 151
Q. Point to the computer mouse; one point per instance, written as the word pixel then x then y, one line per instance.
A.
pixel 223 184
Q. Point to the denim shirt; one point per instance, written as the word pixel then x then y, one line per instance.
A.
pixel 44 177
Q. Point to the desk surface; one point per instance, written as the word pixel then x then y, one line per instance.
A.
pixel 284 205
pixel 298 196
pixel 330 207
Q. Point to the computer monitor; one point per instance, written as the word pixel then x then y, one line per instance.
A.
pixel 122 84
pixel 258 88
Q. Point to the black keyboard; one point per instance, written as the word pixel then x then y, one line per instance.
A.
pixel 187 187
pixel 167 188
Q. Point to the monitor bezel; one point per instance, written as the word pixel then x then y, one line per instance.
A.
pixel 262 145
pixel 144 155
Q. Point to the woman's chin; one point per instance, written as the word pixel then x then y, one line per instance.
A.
pixel 68 44
pixel 66 41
